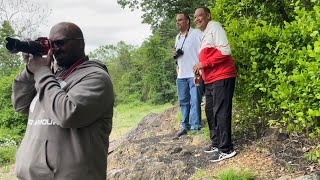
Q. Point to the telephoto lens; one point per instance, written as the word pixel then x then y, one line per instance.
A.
pixel 40 46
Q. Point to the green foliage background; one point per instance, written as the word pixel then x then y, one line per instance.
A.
pixel 12 124
pixel 276 49
pixel 278 65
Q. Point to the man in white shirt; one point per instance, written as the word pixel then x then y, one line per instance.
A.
pixel 186 54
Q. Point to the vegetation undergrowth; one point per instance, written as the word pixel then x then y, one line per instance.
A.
pixel 232 174
pixel 226 174
pixel 8 148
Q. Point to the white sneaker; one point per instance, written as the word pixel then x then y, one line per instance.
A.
pixel 221 156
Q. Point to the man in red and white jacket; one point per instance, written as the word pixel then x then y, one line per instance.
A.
pixel 218 71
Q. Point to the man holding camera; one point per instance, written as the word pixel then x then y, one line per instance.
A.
pixel 69 111
pixel 186 54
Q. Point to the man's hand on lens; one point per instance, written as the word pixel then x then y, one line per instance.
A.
pixel 25 57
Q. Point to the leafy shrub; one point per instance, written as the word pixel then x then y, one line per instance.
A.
pixel 8 117
pixel 8 148
pixel 12 124
pixel 278 65
pixel 278 68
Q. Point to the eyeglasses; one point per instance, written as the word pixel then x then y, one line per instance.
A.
pixel 61 42
pixel 199 15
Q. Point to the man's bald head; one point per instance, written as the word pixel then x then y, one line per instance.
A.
pixel 69 29
pixel 68 43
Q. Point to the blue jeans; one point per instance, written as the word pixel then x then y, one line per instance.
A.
pixel 189 97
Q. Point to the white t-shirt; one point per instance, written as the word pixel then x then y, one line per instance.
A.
pixel 190 49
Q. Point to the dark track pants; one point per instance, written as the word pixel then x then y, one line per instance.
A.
pixel 218 111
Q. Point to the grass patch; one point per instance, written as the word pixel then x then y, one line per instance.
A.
pixel 178 118
pixel 200 173
pixel 7 154
pixel 232 174
pixel 127 116
pixel 5 169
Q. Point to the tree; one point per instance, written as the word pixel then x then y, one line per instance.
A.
pixel 23 16
pixel 18 18
pixel 274 12
pixel 159 72
pixel 104 53
pixel 7 60
pixel 145 74
pixel 122 70
pixel 156 11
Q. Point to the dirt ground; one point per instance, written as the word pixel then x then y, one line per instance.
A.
pixel 270 157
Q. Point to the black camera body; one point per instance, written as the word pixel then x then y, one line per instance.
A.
pixel 179 53
pixel 40 46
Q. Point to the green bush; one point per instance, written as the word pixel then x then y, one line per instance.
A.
pixel 8 148
pixel 278 65
pixel 12 124
pixel 278 69
pixel 8 117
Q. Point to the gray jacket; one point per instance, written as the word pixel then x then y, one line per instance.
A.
pixel 69 123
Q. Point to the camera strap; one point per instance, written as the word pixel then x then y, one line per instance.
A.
pixel 73 67
pixel 184 38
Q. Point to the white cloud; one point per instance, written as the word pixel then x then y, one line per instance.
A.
pixel 102 21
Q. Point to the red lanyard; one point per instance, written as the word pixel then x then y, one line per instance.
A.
pixel 73 67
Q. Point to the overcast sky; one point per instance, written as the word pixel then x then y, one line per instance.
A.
pixel 102 21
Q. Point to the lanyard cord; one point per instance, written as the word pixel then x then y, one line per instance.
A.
pixel 73 67
pixel 184 39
